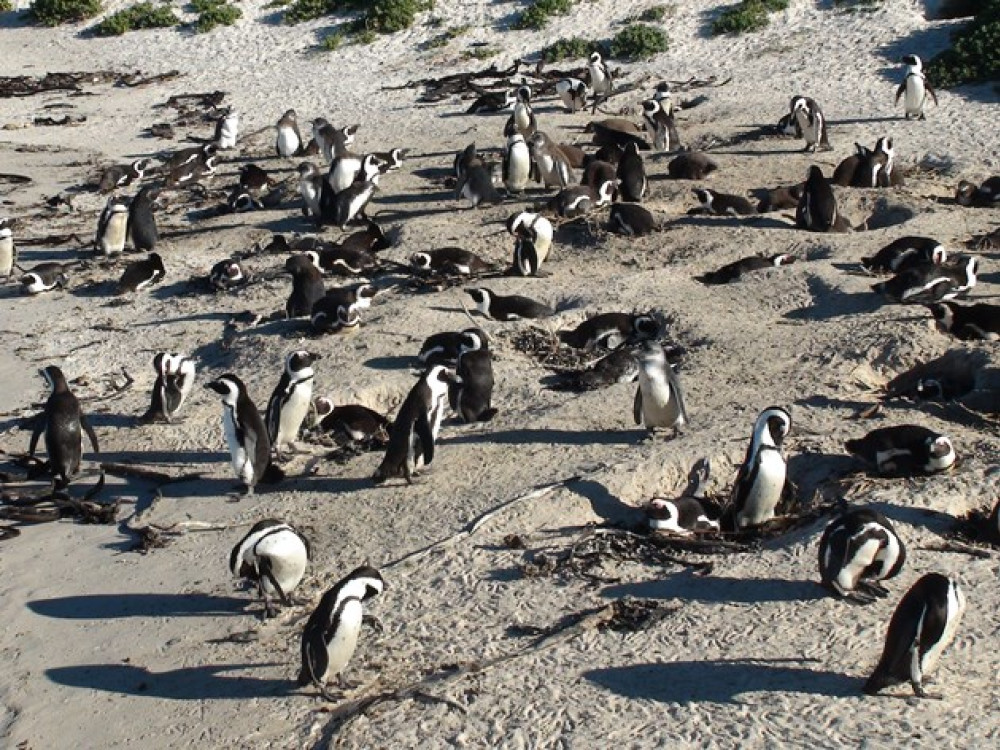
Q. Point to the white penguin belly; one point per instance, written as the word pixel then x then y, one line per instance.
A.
pixel 913 100
pixel 293 414
pixel 763 497
pixel 341 647
pixel 113 241
pixel 310 196
pixel 864 556
pixel 288 142
pixel 288 559
pixel 344 174
pixel 659 406
pixel 518 171
pixel 956 608
pixel 242 462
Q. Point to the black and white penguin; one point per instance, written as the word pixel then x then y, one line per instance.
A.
pixel 274 556
pixel 516 164
pixel 246 435
pixel 391 160
pixel 63 424
pixel 978 322
pixel 8 250
pixel 922 627
pixel 340 209
pixel 928 282
pixel 371 239
pixel 141 221
pixel 620 366
pixel 858 550
pixel 904 253
pixel 350 167
pixel 691 165
pixel 118 176
pixel 240 200
pixel 808 117
pixel 688 514
pixel 443 348
pixel 191 172
pixel 330 637
pixel 333 142
pixel 140 274
pixel 552 168
pixel 188 157
pixel 448 260
pixel 533 227
pixel 343 261
pixel 228 274
pixel 465 159
pixel 598 171
pixel 307 286
pixel 817 209
pixel 723 204
pixel 411 441
pixel 255 179
pixel 578 200
pixel 601 82
pixel 475 185
pixel 352 423
pixel 868 168
pixel 903 450
pixel 631 219
pixel 632 182
pixel 760 481
pixel 734 271
pixel 660 125
pixel 340 308
pixel 291 399
pixel 491 102
pixel 611 330
pixel 782 197
pixel 659 400
pixel 522 119
pixel 472 392
pixel 227 130
pixel 174 380
pixel 914 89
pixel 310 187
pixel 289 140
pixel 112 227
pixel 573 93
pixel 508 308
pixel 986 195
pixel 44 277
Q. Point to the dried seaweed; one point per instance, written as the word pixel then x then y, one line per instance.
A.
pixel 15 86
pixel 437 89
pixel 52 505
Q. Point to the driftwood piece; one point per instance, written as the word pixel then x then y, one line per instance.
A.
pixel 437 89
pixel 136 471
pixel 15 86
pixel 17 179
pixel 55 121
pixel 136 79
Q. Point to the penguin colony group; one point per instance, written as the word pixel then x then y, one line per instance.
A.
pixel 859 551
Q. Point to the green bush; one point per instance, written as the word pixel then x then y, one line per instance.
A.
pixel 975 53
pixel 536 15
pixel 572 48
pixel 639 41
pixel 6 6
pixel 213 13
pixel 656 14
pixel 55 12
pixel 379 16
pixel 141 16
pixel 748 15
pixel 390 16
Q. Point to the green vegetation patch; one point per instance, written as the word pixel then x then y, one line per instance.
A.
pixel 376 16
pixel 536 16
pixel 572 48
pixel 141 16
pixel 639 41
pixel 214 13
pixel 748 15
pixel 56 12
pixel 974 56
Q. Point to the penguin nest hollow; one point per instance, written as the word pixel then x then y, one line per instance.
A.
pixel 543 347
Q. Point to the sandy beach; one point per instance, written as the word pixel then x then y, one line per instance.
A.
pixel 493 638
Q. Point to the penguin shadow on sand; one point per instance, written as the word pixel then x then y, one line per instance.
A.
pixel 401 362
pixel 122 606
pixel 214 681
pixel 758 221
pixel 605 505
pixel 830 302
pixel 551 436
pixel 934 521
pixel 721 680
pixel 688 585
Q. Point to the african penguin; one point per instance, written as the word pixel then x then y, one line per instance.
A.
pixel 611 330
pixel 573 93
pixel 8 250
pixel 310 187
pixel 760 481
pixel 685 515
pixel 122 176
pixel 63 425
pixel 914 89
pixel 448 260
pixel 734 271
pixel 579 200
pixel 522 120
pixel 858 550
pixel 631 219
pixel 904 253
pixel 291 399
pixel 228 274
pixel 533 227
pixel 289 140
pixel 980 321
pixel 903 450
pixel 516 164
pixel 352 423
pixel 140 274
pixel 475 185
pixel 601 82
pixel 922 627
pixel 723 204
pixel 443 348
pixel 659 400
pixel 986 195
pixel 307 286
pixel 929 282
pixel 660 125
pixel 472 391
pixel 492 101
pixel 346 169
pixel 551 165
pixel 817 209
pixel 343 261
pixel 112 227
pixel 174 380
pixel 331 634
pixel 808 116
pixel 340 308
pixel 226 130
pixel 141 221
pixel 340 209
pixel 691 165
pixel 274 556
pixel 44 277
pixel 507 308
pixel 632 182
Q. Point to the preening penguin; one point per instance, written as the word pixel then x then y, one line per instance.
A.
pixel 274 556
pixel 904 449
pixel 246 435
pixel 411 441
pixel 761 479
pixel 331 633
pixel 112 227
pixel 922 627
pixel 289 140
pixel 687 514
pixel 174 381
pixel 533 227
pixel 659 400
pixel 289 403
pixel 811 123
pixel 471 393
pixel 914 89
pixel 63 425
pixel 858 550
pixel 573 93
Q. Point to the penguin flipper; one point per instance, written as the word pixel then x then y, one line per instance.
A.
pixel 265 569
pixel 930 91
pixel 315 659
pixel 36 433
pixel 637 406
pixel 675 386
pixel 423 429
pixel 90 433
pixel 900 91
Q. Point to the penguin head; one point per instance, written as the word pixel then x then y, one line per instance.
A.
pixel 290 114
pixel 650 352
pixel 595 58
pixel 372 166
pixel 302 265
pixel 775 422
pixel 815 175
pixel 650 107
pixel 971 269
pixel 645 327
pixel 940 453
pixel 884 146
pixel 704 196
pixel 54 378
pixel 159 359
pixel 662 90
pixel 784 259
pixel 939 255
pixel 943 315
pixel 930 389
pixel 307 169
pixel 363 583
pixel 799 103
pixel 229 386
pixel 299 361
pixel 363 295
pixel 421 261
pixel 473 339
pixel 348 316
pixel 440 377
pixel 606 192
pixel 322 406
pixel 516 221
pixel 481 297
pixel 913 61
pixel 662 514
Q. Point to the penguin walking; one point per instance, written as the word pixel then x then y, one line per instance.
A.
pixel 516 164
pixel 226 130
pixel 688 514
pixel 859 549
pixel 573 93
pixel 289 140
pixel 141 221
pixel 914 89
pixel 631 175
pixel 508 308
pixel 659 400
pixel 44 277
pixel 922 627
pixel 290 402
pixel 979 322
pixel 761 478
pixel 140 274
pixel 307 286
pixel 330 637
pixel 817 209
pixel 8 250
pixel 274 556
pixel 471 393
pixel 808 116
pixel 411 441
pixel 112 227
pixel 904 450
pixel 63 425
pixel 246 435
pixel 174 380
pixel 601 82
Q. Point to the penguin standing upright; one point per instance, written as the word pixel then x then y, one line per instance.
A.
pixel 516 164
pixel 660 124
pixel 63 424
pixel 806 113
pixel 632 175
pixel 859 549
pixel 817 209
pixel 761 478
pixel 226 130
pixel 8 250
pixel 310 188
pixel 141 222
pixel 411 441
pixel 552 166
pixel 246 435
pixel 289 140
pixel 331 633
pixel 273 555
pixel 601 82
pixel 174 381
pixel 112 227
pixel 289 403
pixel 659 401
pixel 922 627
pixel 534 227
pixel 307 286
pixel 573 93
pixel 522 120
pixel 914 89
pixel 471 393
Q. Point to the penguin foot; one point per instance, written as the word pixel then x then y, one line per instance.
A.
pixel 918 691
